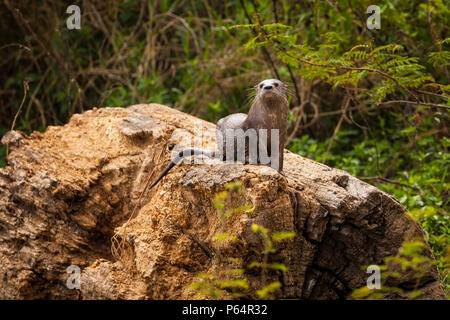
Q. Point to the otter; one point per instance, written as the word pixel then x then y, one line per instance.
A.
pixel 253 137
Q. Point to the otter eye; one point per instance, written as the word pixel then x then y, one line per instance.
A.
pixel 261 85
pixel 275 84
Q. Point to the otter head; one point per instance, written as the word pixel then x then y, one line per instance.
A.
pixel 271 90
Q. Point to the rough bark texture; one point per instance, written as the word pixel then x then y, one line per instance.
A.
pixel 66 191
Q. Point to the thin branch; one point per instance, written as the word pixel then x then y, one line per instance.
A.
pixel 416 103
pixel 294 82
pixel 21 46
pixel 336 130
pixel 433 94
pixel 25 90
pixel 389 181
pixel 297 124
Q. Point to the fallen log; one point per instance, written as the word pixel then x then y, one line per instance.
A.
pixel 68 191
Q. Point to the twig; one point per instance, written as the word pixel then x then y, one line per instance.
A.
pixel 25 90
pixel 389 181
pixel 416 103
pixel 297 125
pixel 433 94
pixel 21 46
pixel 116 244
pixel 336 130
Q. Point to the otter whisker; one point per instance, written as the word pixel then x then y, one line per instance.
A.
pixel 250 98
pixel 290 92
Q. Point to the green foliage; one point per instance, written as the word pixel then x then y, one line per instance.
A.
pixel 330 63
pixel 268 290
pixel 418 176
pixel 409 260
pixel 223 284
pixel 227 280
pixel 268 238
pixel 232 188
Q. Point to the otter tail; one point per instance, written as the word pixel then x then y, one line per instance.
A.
pixel 184 153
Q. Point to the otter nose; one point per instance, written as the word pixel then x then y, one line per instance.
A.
pixel 268 87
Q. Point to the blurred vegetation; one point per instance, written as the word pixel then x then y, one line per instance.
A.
pixel 371 102
pixel 411 259
pixel 226 281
